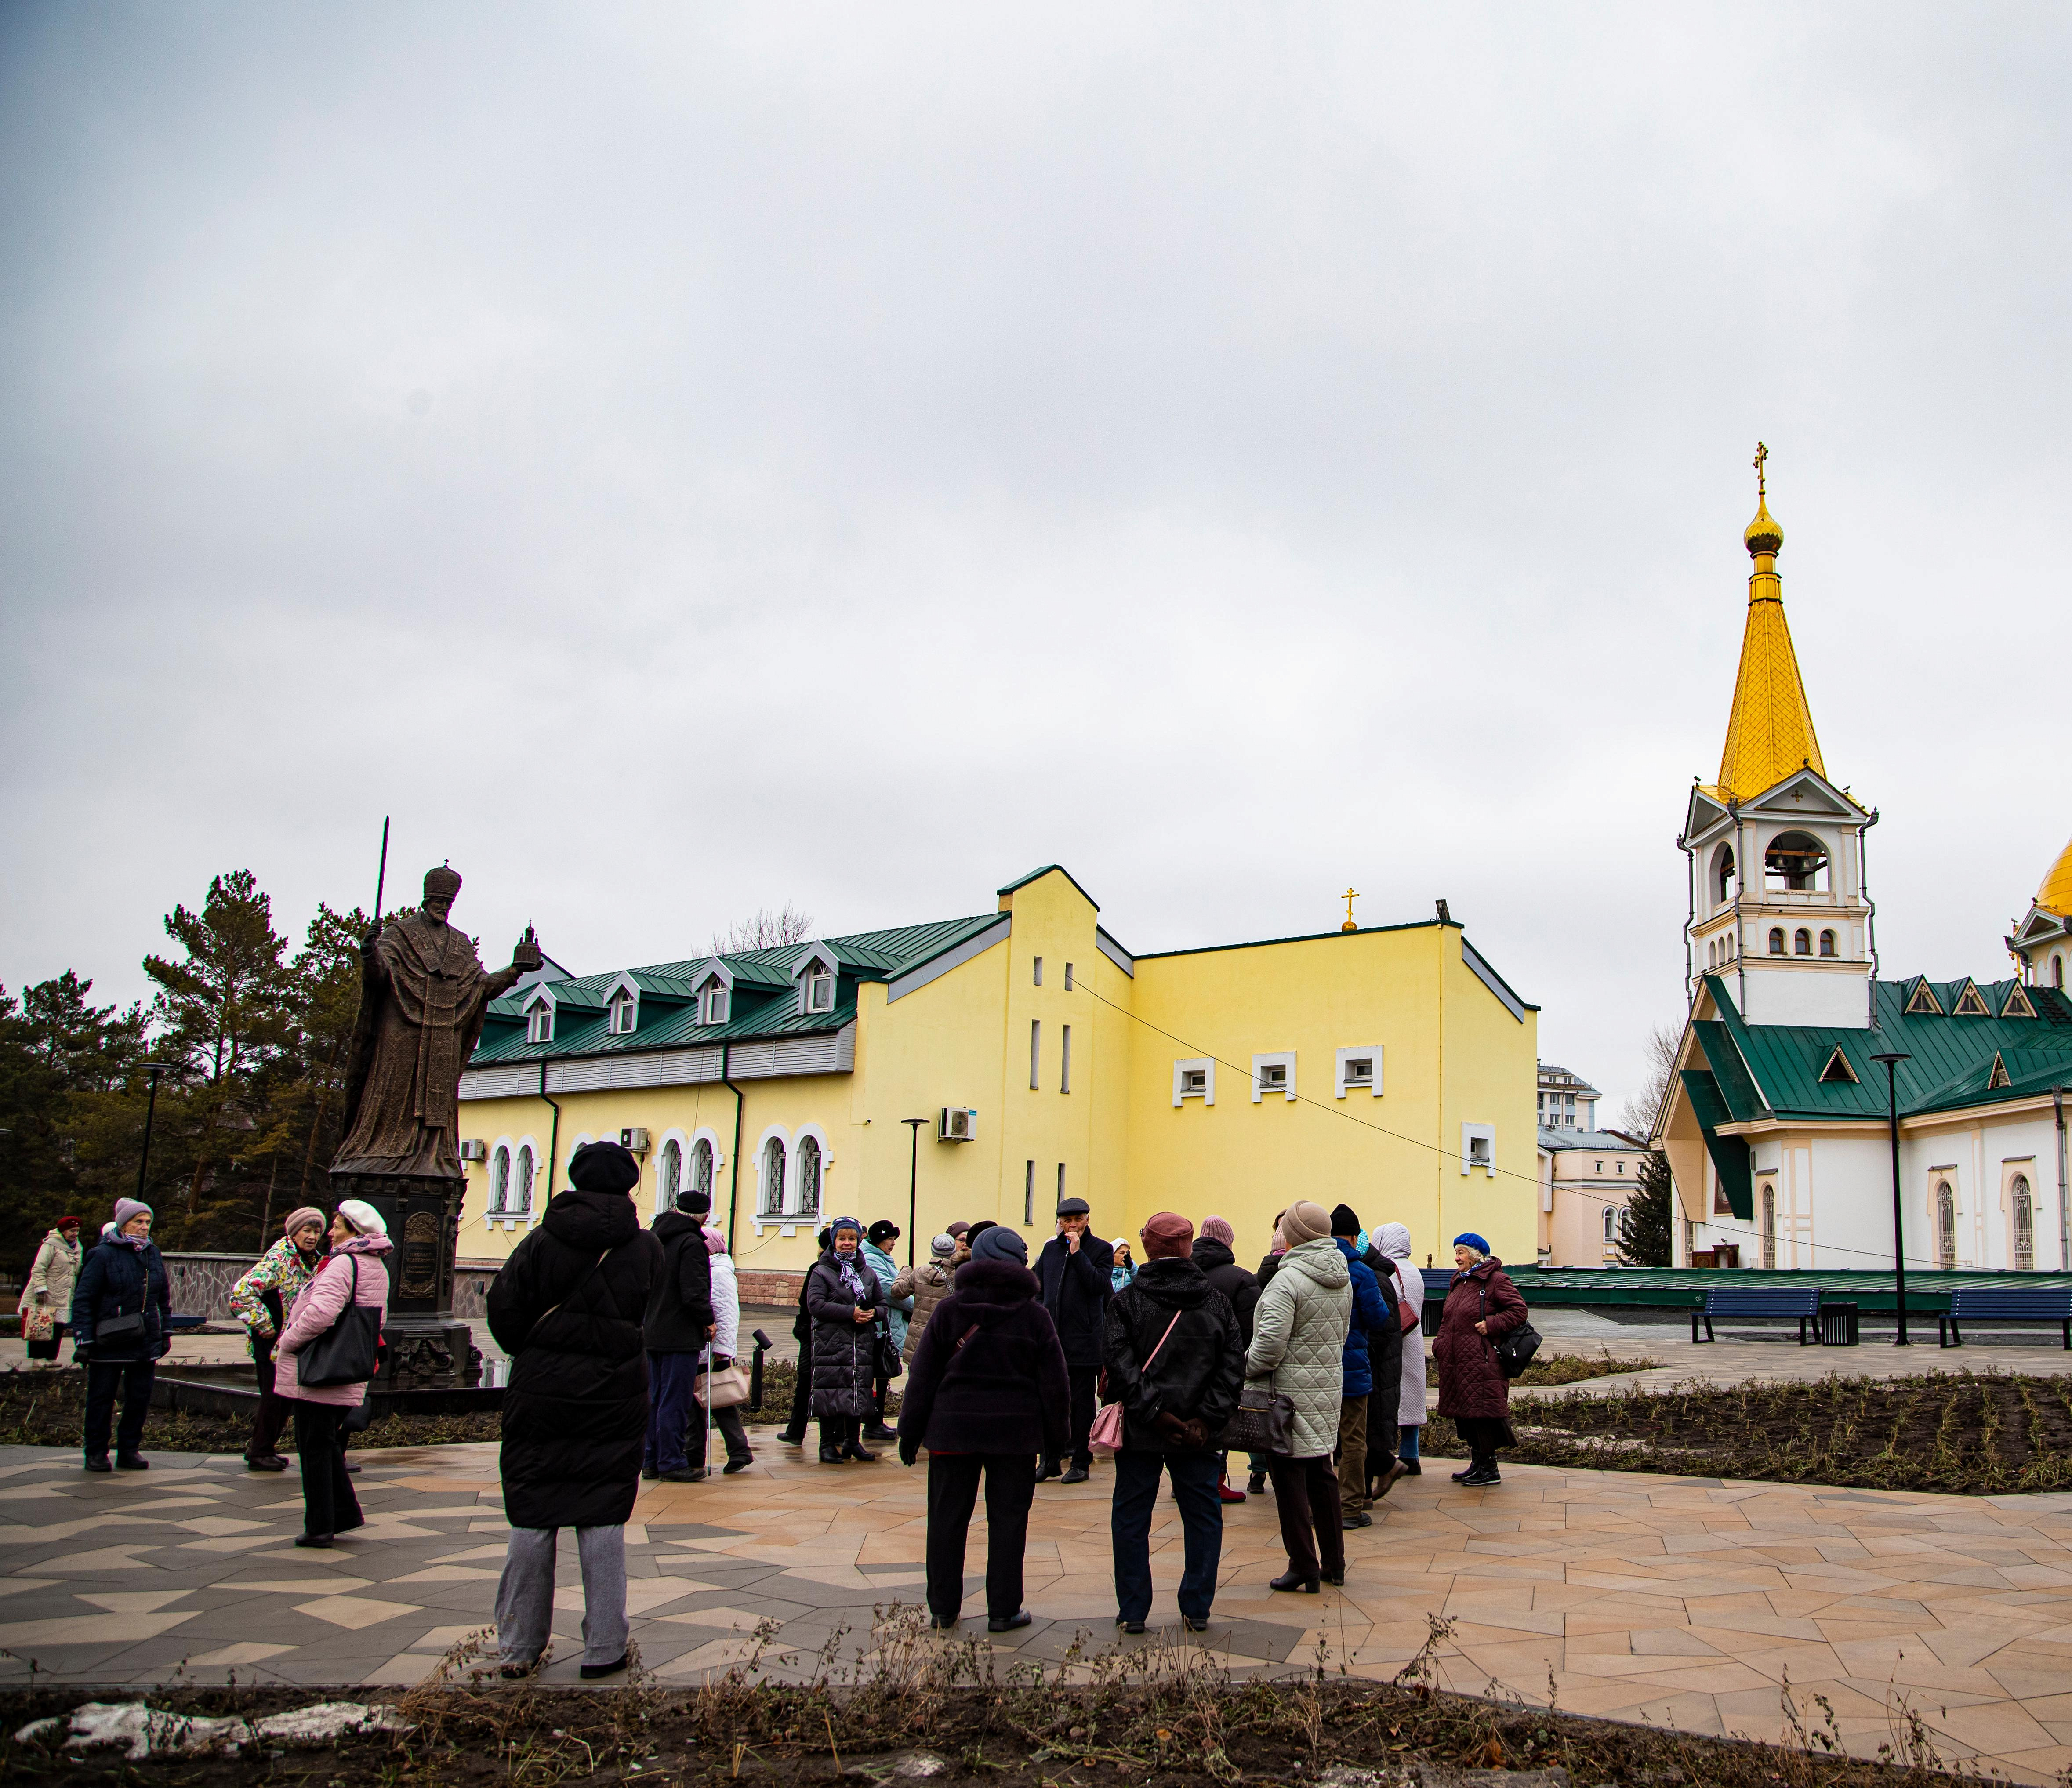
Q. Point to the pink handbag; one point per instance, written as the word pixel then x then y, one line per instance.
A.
pixel 1105 1437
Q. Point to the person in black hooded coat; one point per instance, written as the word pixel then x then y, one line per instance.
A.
pixel 567 1308
pixel 846 1301
pixel 988 1377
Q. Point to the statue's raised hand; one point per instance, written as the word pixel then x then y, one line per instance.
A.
pixel 369 944
pixel 528 954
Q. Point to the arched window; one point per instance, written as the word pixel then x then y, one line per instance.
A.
pixel 809 1177
pixel 1826 944
pixel 1725 885
pixel 701 1166
pixel 1802 941
pixel 1769 1227
pixel 773 1177
pixel 2025 1224
pixel 1777 940
pixel 1611 1224
pixel 1795 863
pixel 2056 971
pixel 1945 1226
pixel 499 1178
pixel 622 1008
pixel 521 1199
pixel 669 1176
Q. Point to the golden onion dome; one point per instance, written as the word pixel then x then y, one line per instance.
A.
pixel 2055 895
pixel 1762 535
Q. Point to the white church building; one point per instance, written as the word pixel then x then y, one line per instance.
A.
pixel 1775 1122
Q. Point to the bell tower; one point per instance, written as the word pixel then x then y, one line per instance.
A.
pixel 1779 910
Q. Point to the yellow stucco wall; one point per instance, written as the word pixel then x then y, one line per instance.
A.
pixel 1451 1052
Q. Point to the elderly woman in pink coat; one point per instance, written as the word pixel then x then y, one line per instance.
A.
pixel 354 1273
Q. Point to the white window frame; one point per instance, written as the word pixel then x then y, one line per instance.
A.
pixel 819 990
pixel 1203 1065
pixel 816 965
pixel 715 1004
pixel 1273 1058
pixel 1356 1054
pixel 622 1015
pixel 542 1008
pixel 502 1155
pixel 1470 1135
pixel 665 1198
pixel 709 1139
pixel 769 1202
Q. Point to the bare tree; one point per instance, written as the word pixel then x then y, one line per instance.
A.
pixel 763 930
pixel 1637 1117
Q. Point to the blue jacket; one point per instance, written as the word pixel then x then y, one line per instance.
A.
pixel 116 1280
pixel 887 1269
pixel 1369 1312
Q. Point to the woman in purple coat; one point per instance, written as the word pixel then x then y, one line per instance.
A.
pixel 1474 1393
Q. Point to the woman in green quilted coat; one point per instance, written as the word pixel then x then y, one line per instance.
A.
pixel 1299 1339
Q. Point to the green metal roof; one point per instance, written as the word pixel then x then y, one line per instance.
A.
pixel 763 1005
pixel 1950 1057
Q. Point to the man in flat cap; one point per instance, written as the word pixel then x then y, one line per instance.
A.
pixel 1077 1285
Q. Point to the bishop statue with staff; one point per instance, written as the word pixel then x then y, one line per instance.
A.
pixel 424 993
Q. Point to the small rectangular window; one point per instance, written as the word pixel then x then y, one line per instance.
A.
pixel 1060 1182
pixel 820 992
pixel 1029 1194
pixel 1195 1080
pixel 1068 977
pixel 1359 1072
pixel 1039 970
pixel 1065 1059
pixel 1035 1052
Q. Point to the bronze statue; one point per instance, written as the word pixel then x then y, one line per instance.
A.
pixel 423 996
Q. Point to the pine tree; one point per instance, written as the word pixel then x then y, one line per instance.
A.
pixel 1644 1237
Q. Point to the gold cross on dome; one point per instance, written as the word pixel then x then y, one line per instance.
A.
pixel 1761 453
pixel 1351 896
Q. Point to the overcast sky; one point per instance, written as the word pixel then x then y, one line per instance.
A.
pixel 680 459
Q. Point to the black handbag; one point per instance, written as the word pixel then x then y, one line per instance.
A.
pixel 344 1353
pixel 119 1329
pixel 1264 1421
pixel 1515 1347
pixel 890 1364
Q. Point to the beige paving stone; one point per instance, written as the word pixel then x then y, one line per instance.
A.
pixel 354 1612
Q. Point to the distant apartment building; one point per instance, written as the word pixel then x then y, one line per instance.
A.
pixel 1586 1174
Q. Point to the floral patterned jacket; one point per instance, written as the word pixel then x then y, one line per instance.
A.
pixel 269 1287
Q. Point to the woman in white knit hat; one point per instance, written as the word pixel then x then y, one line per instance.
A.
pixel 354 1277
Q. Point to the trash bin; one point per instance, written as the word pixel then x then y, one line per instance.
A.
pixel 1838 1325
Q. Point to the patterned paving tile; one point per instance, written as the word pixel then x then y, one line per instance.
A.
pixel 1679 1601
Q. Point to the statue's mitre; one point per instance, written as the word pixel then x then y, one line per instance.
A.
pixel 443 883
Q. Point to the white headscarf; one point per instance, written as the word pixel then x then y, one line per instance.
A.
pixel 1393 1239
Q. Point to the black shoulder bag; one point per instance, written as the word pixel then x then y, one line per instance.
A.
pixel 1515 1347
pixel 344 1353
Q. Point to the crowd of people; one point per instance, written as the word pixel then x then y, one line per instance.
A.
pixel 1165 1355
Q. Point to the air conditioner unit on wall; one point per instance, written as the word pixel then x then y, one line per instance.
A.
pixel 956 1123
pixel 635 1140
pixel 473 1149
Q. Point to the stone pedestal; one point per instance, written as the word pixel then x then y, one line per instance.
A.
pixel 429 1349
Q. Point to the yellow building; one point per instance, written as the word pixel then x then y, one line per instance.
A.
pixel 1389 1068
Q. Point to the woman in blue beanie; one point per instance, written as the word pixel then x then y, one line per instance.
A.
pixel 1474 1393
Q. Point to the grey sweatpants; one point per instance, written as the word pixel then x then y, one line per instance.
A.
pixel 525 1594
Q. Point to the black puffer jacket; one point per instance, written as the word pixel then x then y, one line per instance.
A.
pixel 1077 1290
pixel 116 1280
pixel 844 1350
pixel 1195 1375
pixel 1240 1287
pixel 993 1391
pixel 679 1306
pixel 1384 1346
pixel 576 1411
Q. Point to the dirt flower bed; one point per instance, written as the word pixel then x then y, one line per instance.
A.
pixel 911 1707
pixel 1573 1368
pixel 1973 1434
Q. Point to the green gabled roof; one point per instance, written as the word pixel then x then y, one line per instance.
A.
pixel 1730 1154
pixel 1736 1091
pixel 763 1003
pixel 1950 1057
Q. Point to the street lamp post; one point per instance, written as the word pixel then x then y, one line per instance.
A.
pixel 153 1069
pixel 1892 1058
pixel 913 1179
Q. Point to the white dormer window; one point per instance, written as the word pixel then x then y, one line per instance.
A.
pixel 540 1024
pixel 1359 1070
pixel 620 1014
pixel 714 1005
pixel 819 990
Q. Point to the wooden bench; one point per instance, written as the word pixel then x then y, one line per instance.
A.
pixel 1984 1303
pixel 1761 1300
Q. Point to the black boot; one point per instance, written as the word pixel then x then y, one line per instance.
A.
pixel 854 1447
pixel 834 1441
